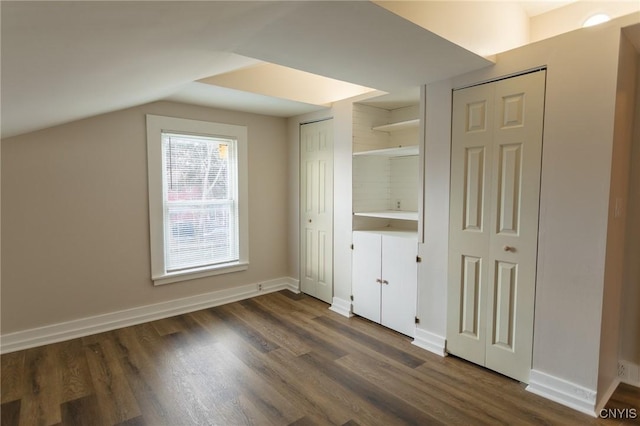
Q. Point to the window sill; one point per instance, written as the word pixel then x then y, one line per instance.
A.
pixel 192 274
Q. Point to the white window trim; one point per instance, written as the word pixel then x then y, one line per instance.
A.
pixel 155 126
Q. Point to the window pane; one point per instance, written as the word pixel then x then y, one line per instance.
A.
pixel 197 168
pixel 199 235
pixel 200 214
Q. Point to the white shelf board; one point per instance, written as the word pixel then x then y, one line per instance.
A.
pixel 401 151
pixel 390 214
pixel 401 125
pixel 392 232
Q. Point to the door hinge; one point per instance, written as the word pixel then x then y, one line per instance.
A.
pixel 351 297
pixel 351 246
pixel 417 320
pixel 418 259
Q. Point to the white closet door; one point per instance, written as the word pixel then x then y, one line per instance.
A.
pixel 367 274
pixel 316 209
pixel 495 188
pixel 471 152
pixel 515 200
pixel 399 284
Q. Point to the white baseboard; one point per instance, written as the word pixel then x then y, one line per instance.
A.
pixel 630 373
pixel 342 307
pixel 563 392
pixel 97 324
pixel 430 342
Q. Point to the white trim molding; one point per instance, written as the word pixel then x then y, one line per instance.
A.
pixel 342 307
pixel 430 342
pixel 290 284
pixel 563 392
pixel 99 323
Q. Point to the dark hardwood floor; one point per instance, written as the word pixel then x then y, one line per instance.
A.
pixel 278 359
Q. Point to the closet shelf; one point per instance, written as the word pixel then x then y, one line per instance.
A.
pixel 390 214
pixel 401 125
pixel 401 151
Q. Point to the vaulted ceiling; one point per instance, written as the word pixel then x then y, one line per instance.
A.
pixel 63 61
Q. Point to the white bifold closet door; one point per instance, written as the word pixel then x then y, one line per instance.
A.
pixel 316 209
pixel 494 205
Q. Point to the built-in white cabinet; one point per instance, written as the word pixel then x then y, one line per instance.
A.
pixel 386 194
pixel 385 278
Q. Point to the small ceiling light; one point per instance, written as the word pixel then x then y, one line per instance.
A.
pixel 596 19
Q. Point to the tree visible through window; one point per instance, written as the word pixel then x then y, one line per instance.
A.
pixel 199 201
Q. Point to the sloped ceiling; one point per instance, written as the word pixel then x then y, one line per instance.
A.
pixel 63 61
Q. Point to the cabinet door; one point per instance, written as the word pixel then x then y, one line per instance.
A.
pixel 399 284
pixel 366 275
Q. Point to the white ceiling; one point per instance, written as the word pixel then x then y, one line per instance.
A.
pixel 63 61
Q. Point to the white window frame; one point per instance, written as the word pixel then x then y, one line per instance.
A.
pixel 156 125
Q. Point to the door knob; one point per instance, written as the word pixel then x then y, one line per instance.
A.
pixel 378 280
pixel 385 282
pixel 309 220
pixel 509 248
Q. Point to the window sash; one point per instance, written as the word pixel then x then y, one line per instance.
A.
pixel 199 232
pixel 197 240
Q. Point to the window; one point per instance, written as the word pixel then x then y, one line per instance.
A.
pixel 197 198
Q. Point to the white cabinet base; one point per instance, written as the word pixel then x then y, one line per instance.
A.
pixel 385 278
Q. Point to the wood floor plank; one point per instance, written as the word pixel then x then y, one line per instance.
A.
pixel 325 391
pixel 256 395
pixel 451 408
pixel 157 403
pixel 250 334
pixel 168 325
pixel 42 386
pixel 83 411
pixel 10 413
pixel 12 367
pixel 394 407
pixel 373 343
pixel 318 343
pixel 311 390
pixel 318 310
pixel 74 369
pixel 114 396
pixel 283 339
pixel 278 359
pixel 136 421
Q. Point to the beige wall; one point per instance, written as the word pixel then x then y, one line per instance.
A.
pixel 75 216
pixel 574 206
pixel 618 201
pixel 630 337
